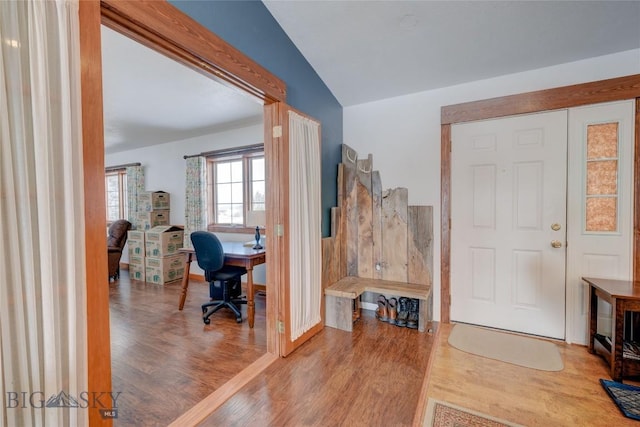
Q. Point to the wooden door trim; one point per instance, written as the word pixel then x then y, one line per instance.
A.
pixel 164 28
pixel 597 92
pixel 616 89
pixel 636 194
pixel 97 289
pixel 206 407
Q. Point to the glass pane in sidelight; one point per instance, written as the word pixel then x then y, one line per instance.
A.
pixel 602 214
pixel 602 141
pixel 602 178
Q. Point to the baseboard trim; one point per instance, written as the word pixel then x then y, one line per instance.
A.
pixel 368 306
pixel 206 407
pixel 199 277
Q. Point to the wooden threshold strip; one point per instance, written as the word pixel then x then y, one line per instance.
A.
pixel 209 404
pixel 418 419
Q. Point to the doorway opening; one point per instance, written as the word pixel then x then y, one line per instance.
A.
pixel 163 28
pixel 156 111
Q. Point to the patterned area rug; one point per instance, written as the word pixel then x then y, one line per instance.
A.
pixel 444 414
pixel 627 397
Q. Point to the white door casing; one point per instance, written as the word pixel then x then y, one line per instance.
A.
pixel 508 186
pixel 605 254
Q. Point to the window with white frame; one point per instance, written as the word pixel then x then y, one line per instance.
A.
pixel 236 185
pixel 116 194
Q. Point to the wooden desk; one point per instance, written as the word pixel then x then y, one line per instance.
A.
pixel 235 254
pixel 623 295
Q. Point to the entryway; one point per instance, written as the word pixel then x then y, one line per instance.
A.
pixel 516 202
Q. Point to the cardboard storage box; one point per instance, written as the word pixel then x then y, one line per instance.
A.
pixel 164 270
pixel 137 272
pixel 136 259
pixel 135 235
pixel 163 240
pixel 148 220
pixel 135 240
pixel 153 200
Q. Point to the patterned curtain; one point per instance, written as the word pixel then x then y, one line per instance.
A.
pixel 195 204
pixel 135 186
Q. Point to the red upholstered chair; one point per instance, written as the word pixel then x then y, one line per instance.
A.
pixel 116 239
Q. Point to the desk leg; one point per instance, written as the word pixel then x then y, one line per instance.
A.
pixel 593 317
pixel 251 308
pixel 185 280
pixel 616 347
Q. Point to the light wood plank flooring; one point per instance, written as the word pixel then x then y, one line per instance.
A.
pixel 337 379
pixel 571 397
pixel 164 360
pixel 370 377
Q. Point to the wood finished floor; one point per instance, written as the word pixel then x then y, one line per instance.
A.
pixel 571 397
pixel 370 377
pixel 164 360
pixel 342 380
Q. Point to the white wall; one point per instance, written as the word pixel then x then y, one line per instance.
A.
pixel 165 170
pixel 403 133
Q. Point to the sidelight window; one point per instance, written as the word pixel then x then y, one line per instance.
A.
pixel 601 210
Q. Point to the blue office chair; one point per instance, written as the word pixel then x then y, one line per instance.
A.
pixel 225 284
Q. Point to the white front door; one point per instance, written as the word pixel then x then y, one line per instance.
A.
pixel 600 206
pixel 508 223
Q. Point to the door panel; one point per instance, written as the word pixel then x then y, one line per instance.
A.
pixel 299 276
pixel 508 189
pixel 600 241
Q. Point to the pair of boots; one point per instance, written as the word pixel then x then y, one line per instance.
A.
pixel 387 309
pixel 408 313
pixel 402 312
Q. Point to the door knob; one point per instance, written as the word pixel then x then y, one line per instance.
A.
pixel 556 244
pixel 555 227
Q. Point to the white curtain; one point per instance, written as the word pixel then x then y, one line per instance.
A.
pixel 305 222
pixel 42 266
pixel 195 204
pixel 135 186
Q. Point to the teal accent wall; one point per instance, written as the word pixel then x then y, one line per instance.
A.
pixel 250 28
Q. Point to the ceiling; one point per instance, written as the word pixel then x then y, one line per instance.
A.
pixel 150 99
pixel 370 50
pixel 363 51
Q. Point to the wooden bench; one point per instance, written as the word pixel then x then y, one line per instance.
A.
pixel 340 297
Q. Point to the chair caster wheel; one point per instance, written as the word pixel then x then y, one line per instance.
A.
pixel 206 320
pixel 204 310
pixel 238 319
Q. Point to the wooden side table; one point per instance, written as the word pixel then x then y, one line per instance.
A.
pixel 623 295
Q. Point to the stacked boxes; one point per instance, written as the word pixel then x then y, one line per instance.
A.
pixel 153 209
pixel 136 241
pixel 150 201
pixel 153 246
pixel 163 263
pixel 148 220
